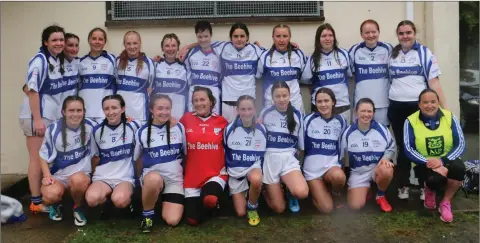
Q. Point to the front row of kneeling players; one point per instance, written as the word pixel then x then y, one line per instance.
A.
pixel 245 153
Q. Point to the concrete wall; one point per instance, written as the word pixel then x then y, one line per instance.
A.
pixel 22 23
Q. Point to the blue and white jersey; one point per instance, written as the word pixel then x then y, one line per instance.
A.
pixel 75 157
pixel 333 73
pixel 171 79
pixel 115 151
pixel 97 80
pixel 239 67
pixel 279 138
pixel 161 157
pixel 278 67
pixel 204 70
pixel 133 86
pixel 322 140
pixel 366 149
pixel 410 73
pixel 243 147
pixel 370 67
pixel 49 85
pixel 71 77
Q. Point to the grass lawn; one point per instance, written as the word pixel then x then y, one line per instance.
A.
pixel 402 227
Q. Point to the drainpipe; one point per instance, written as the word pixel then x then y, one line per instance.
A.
pixel 409 11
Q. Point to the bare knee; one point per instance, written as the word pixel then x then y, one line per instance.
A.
pixel 121 199
pixel 52 195
pixel 241 212
pixel 94 198
pixel 356 205
pixel 324 207
pixel 338 178
pixel 278 208
pixel 256 181
pixel 153 180
pixel 172 220
pixel 79 181
pixel 301 192
pixel 384 173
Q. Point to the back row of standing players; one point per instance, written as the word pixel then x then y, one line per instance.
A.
pixel 391 77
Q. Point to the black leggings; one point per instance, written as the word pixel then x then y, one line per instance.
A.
pixel 195 211
pixel 435 181
pixel 397 114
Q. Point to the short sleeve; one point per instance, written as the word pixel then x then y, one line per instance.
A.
pixel 35 74
pixel 432 69
pixel 307 73
pixel 138 145
pixel 47 150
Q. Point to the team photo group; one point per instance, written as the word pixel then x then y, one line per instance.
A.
pixel 184 127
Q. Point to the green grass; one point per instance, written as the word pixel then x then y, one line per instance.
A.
pixel 341 227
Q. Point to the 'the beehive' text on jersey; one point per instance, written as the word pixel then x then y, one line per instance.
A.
pixel 279 139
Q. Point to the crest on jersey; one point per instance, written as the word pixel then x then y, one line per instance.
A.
pixel 104 67
pixel 216 130
pixel 189 130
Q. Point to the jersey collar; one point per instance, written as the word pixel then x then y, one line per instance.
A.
pixel 317 114
pixel 102 54
pixel 247 129
pixel 431 122
pixel 373 125
pixel 363 44
pixel 45 51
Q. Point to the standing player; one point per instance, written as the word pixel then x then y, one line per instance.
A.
pixel 205 173
pixel 159 149
pixel 282 63
pixel 42 103
pixel 114 142
pixel 134 73
pixel 323 130
pixel 203 65
pixel 369 61
pixel 171 76
pixel 370 149
pixel 284 126
pixel 97 78
pixel 329 66
pixel 71 77
pixel 412 68
pixel 245 144
pixel 65 159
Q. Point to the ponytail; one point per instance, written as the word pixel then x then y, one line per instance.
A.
pixel 291 123
pixel 396 51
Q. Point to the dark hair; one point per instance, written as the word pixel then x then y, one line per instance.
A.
pixel 123 116
pixel 317 53
pixel 291 123
pixel 71 35
pixel 171 36
pixel 203 25
pixel 239 100
pixel 427 90
pixel 330 93
pixel 241 26
pixel 124 56
pixel 398 47
pixel 369 21
pixel 209 94
pixel 289 46
pixel 83 133
pixel 97 29
pixel 151 104
pixel 365 101
pixel 45 36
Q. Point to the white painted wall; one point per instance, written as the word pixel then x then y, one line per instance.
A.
pixel 23 22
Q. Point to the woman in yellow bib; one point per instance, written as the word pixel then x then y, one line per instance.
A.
pixel 434 141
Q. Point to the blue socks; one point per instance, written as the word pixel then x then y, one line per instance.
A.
pixel 148 213
pixel 36 200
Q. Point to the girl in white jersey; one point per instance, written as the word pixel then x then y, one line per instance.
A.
pixel 329 66
pixel 66 159
pixel 322 165
pixel 134 74
pixel 203 65
pixel 114 142
pixel 171 76
pixel 370 149
pixel 159 150
pixel 71 77
pixel 284 126
pixel 245 144
pixel 412 68
pixel 97 78
pixel 42 103
pixel 369 61
pixel 282 63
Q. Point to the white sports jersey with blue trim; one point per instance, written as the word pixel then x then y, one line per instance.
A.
pixel 115 151
pixel 410 72
pixel 133 86
pixel 243 147
pixel 279 138
pixel 366 149
pixel 97 80
pixel 204 70
pixel 277 67
pixel 171 79
pixel 71 77
pixel 75 157
pixel 322 141
pixel 334 71
pixel 160 157
pixel 239 67
pixel 370 66
pixel 49 85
